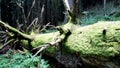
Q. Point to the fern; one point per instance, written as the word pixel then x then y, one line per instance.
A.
pixel 11 60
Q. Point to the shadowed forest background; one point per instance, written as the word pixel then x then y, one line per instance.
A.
pixel 37 22
pixel 53 11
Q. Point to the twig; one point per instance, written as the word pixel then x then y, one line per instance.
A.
pixel 34 21
pixel 4 36
pixel 19 26
pixel 15 41
pixel 36 48
pixel 8 42
pixel 25 20
pixel 2 32
pixel 6 39
pixel 58 40
pixel 30 10
pixel 41 14
pixel 44 27
pixel 2 39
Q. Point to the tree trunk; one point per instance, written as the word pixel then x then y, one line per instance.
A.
pixel 96 38
pixel 116 3
pixel 97 42
pixel 71 14
pixel 89 40
pixel 105 14
pixel 75 11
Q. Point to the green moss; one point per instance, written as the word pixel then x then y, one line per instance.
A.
pixel 52 49
pixel 88 40
pixel 41 39
pixel 25 42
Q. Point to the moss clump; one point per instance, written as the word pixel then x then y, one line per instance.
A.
pixel 89 40
pixel 41 39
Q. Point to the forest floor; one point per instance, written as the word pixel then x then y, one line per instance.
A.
pixel 96 13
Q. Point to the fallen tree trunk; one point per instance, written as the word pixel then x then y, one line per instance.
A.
pixel 101 39
pixel 98 40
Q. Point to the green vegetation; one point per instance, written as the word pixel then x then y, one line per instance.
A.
pixel 17 60
pixel 96 13
pixel 87 40
pixel 90 40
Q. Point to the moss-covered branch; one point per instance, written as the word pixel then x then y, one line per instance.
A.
pixel 38 39
pixel 15 31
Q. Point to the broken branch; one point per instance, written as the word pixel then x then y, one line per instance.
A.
pixel 15 31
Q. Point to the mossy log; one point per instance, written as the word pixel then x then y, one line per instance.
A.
pixel 100 39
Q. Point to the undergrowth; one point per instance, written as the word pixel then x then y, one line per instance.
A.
pixel 96 13
pixel 17 60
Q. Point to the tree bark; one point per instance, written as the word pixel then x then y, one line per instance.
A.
pixel 75 11
pixel 116 3
pixel 71 15
pixel 105 14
